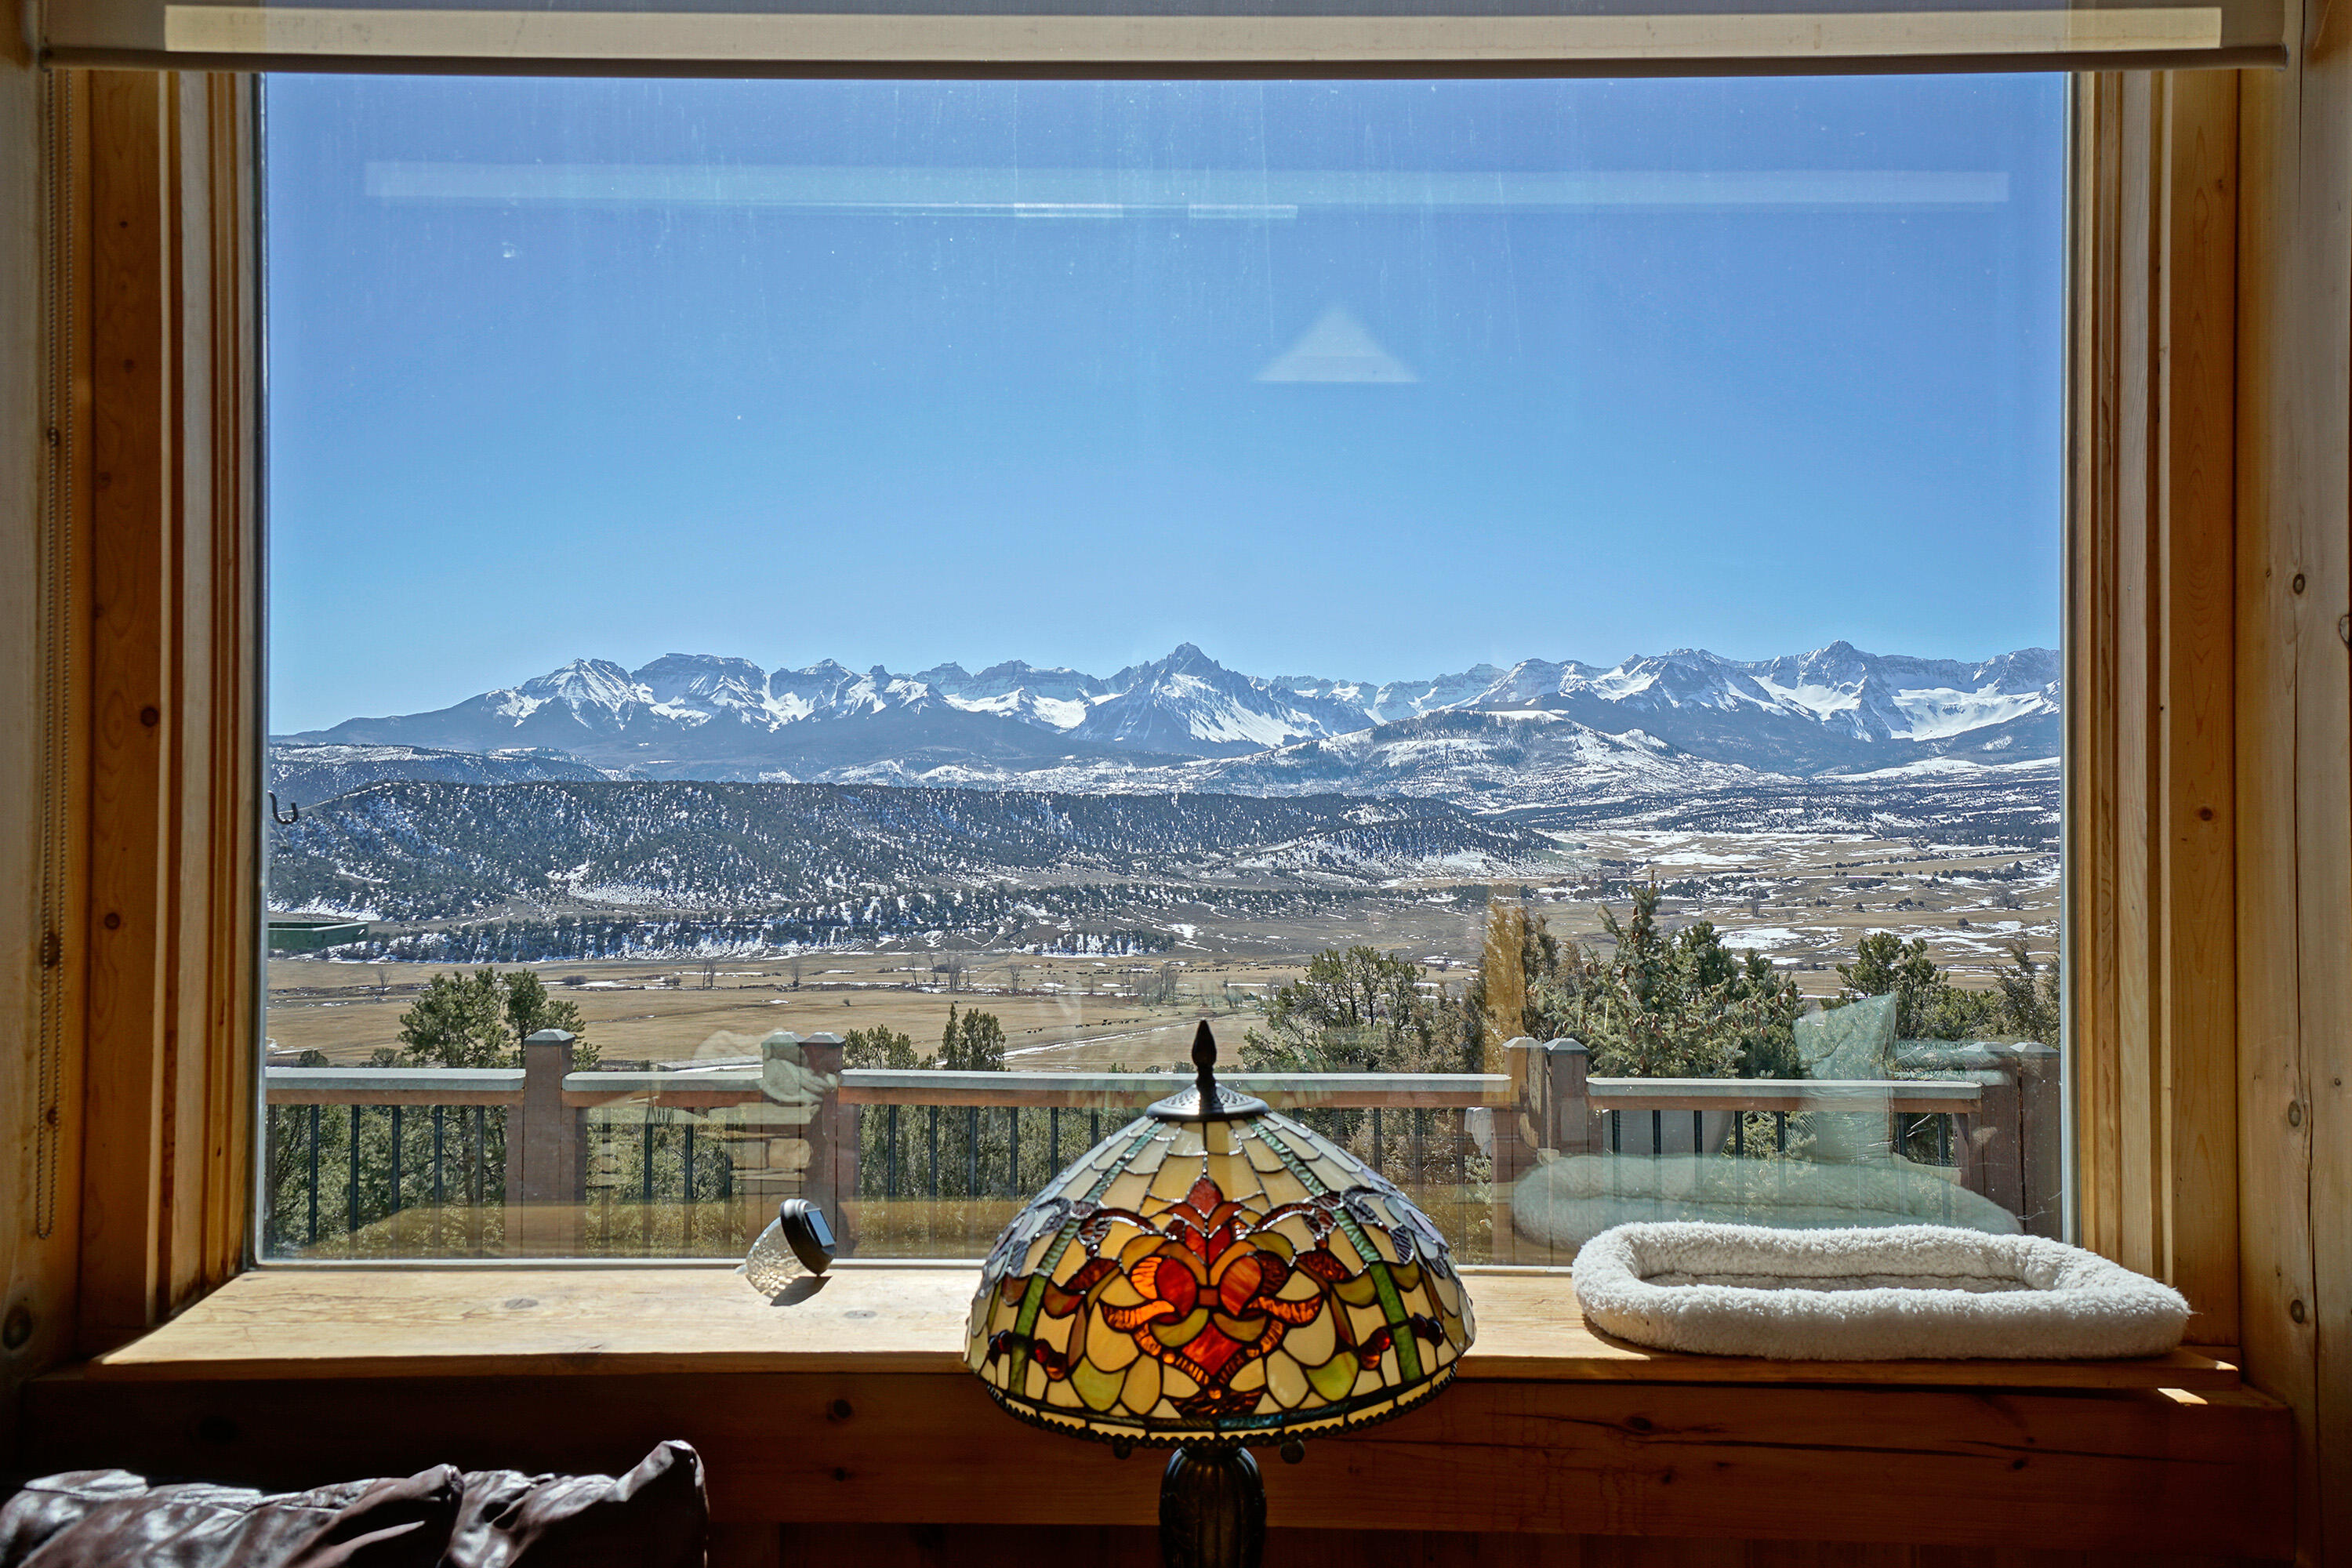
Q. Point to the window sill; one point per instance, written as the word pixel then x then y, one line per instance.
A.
pixel 881 1317
pixel 852 1405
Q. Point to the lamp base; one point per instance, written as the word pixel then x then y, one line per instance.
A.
pixel 1212 1509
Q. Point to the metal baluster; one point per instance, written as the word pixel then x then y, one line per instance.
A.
pixel 935 1150
pixel 311 1236
pixel 1012 1154
pixel 1779 1131
pixel 890 1161
pixel 1097 1130
pixel 1739 1134
pixel 395 1163
pixel 352 1181
pixel 481 1150
pixel 1657 1133
pixel 1943 1139
pixel 1376 1138
pixel 1616 1133
pixel 1418 1117
pixel 1698 1131
pixel 645 1159
pixel 971 1153
pixel 1052 1139
pixel 438 1194
pixel 685 1199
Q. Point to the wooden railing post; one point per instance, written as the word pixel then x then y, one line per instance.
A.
pixel 774 1150
pixel 832 1177
pixel 546 1156
pixel 2039 1108
pixel 1518 1133
pixel 1571 1124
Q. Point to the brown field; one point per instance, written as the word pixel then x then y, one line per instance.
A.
pixel 1802 899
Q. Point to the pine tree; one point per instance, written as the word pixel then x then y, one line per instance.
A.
pixel 881 1047
pixel 458 1022
pixel 531 1008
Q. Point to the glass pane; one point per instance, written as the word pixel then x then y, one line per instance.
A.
pixel 875 607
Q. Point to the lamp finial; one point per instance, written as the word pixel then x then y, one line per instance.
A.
pixel 1205 1057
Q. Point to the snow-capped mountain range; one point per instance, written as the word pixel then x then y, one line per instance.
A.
pixel 1835 709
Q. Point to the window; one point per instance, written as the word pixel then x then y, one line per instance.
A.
pixel 995 573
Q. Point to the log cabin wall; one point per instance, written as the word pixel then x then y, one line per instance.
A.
pixel 38 1172
pixel 2210 928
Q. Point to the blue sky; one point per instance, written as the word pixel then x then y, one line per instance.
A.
pixel 902 373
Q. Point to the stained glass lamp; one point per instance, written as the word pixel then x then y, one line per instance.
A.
pixel 1212 1277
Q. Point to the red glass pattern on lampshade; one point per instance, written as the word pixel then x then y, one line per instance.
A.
pixel 1235 1279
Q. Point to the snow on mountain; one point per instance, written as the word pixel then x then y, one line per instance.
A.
pixel 593 690
pixel 696 687
pixel 1398 699
pixel 1188 703
pixel 1836 709
pixel 1055 698
pixel 305 775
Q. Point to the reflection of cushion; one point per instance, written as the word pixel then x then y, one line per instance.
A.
pixel 1915 1291
pixel 1856 1040
pixel 1569 1200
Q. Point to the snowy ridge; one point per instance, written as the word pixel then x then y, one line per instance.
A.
pixel 1836 709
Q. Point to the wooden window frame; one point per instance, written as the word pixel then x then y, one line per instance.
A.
pixel 2209 732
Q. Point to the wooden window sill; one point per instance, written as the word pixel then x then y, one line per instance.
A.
pixel 852 1405
pixel 882 1317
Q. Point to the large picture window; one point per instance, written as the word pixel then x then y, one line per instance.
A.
pixel 873 607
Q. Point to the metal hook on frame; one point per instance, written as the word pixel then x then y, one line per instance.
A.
pixel 293 812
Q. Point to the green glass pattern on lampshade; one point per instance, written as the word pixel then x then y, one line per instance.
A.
pixel 1238 1279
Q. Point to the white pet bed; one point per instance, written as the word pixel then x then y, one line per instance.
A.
pixel 1897 1293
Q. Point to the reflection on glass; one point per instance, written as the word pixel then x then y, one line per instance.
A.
pixel 817 628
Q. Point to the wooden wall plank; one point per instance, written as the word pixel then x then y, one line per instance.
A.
pixel 2193 784
pixel 2091 931
pixel 2144 1472
pixel 1137 1546
pixel 132 462
pixel 170 706
pixel 2319 600
pixel 2139 1232
pixel 2294 890
pixel 2276 423
pixel 40 1000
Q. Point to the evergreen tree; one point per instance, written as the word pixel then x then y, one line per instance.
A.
pixel 2029 996
pixel 1927 1005
pixel 1356 1010
pixel 459 1022
pixel 531 1008
pixel 1661 1005
pixel 972 1043
pixel 480 1019
pixel 880 1048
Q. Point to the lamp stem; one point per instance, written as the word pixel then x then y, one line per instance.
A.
pixel 1212 1509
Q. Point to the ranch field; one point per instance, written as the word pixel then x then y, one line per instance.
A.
pixel 1802 899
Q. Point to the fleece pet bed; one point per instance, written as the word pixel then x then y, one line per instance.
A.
pixel 1900 1293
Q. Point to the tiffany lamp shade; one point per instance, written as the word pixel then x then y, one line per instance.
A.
pixel 1210 1276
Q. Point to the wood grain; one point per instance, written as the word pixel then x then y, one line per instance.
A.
pixel 2119 1471
pixel 125 1090
pixel 873 1317
pixel 1135 1546
pixel 2193 788
pixel 41 781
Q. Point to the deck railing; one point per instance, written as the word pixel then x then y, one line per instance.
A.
pixel 541 1160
